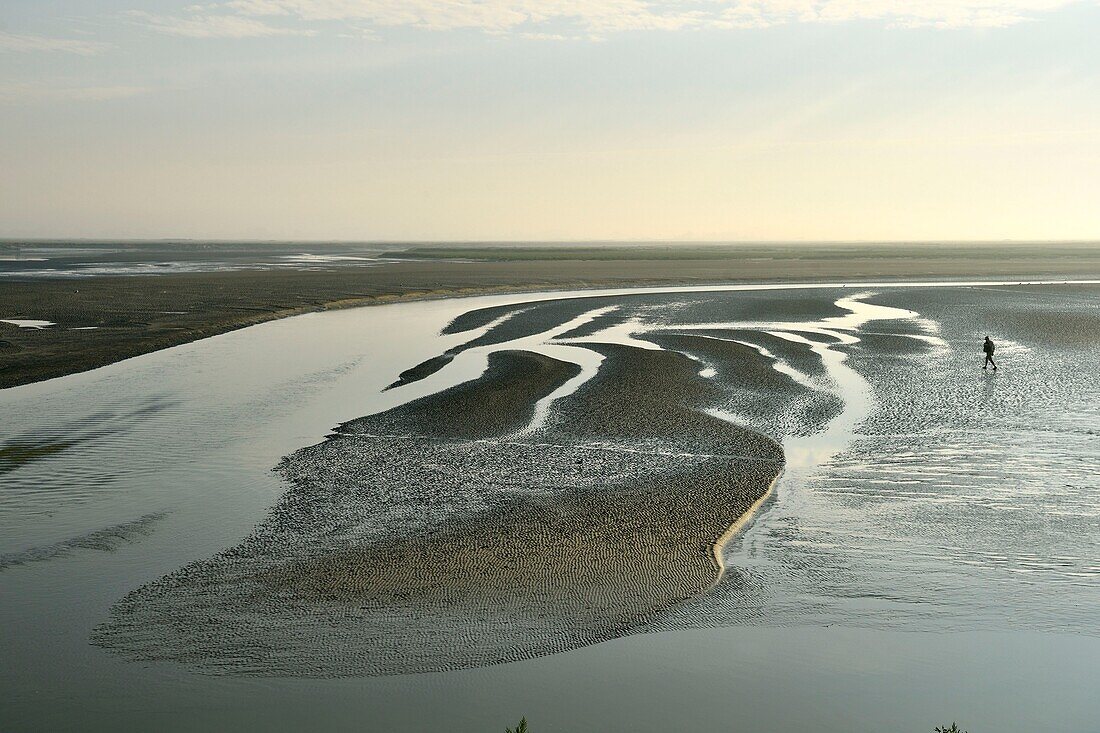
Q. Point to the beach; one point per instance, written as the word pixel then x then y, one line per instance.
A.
pixel 550 367
pixel 441 499
pixel 474 510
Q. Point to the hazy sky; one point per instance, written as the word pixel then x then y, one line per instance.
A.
pixel 552 119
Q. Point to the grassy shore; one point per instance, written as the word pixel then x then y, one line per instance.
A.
pixel 139 314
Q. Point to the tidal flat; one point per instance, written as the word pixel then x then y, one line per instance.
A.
pixel 108 300
pixel 506 499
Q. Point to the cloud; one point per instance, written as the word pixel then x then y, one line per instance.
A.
pixel 27 44
pixel 918 13
pixel 199 24
pixel 494 16
pixel 605 16
pixel 569 19
pixel 28 93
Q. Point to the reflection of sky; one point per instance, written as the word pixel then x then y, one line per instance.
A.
pixel 92 269
pixel 35 260
pixel 898 533
pixel 364 119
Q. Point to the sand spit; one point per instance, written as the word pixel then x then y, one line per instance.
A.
pixel 479 525
pixel 502 402
pixel 431 537
pixel 504 324
pixel 770 400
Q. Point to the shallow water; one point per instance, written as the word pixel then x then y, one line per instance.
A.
pixel 27 322
pixel 98 259
pixel 966 500
pixel 942 500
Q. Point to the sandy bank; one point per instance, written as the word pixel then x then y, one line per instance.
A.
pixel 434 536
pixel 456 530
pixel 139 314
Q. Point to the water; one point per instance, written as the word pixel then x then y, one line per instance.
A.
pixel 930 553
pixel 966 500
pixel 28 323
pixel 96 259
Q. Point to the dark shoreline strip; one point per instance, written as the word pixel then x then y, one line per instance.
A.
pixel 136 315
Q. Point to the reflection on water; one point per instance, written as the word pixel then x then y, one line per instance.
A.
pixel 939 498
pixel 28 323
pixel 967 500
pixel 98 259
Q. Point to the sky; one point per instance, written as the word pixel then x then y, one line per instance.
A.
pixel 550 119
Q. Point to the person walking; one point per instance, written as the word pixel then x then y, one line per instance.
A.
pixel 989 347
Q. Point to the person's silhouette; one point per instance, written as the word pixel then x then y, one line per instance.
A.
pixel 988 347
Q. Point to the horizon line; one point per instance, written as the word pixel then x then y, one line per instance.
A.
pixel 396 241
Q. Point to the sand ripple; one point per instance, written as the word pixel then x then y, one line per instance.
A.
pixel 540 506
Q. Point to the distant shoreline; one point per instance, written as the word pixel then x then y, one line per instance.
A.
pixel 105 319
pixel 16 240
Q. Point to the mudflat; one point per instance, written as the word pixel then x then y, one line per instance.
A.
pixel 570 473
pixel 103 319
pixel 543 474
pixel 522 538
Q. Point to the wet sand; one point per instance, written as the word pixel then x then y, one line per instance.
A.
pixel 458 530
pixel 873 541
pixel 134 315
pixel 462 529
pixel 511 545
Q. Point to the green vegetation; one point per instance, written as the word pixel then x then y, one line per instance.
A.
pixel 521 728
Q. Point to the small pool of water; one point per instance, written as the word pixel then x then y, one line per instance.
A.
pixel 27 322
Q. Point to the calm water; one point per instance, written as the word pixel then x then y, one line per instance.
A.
pixel 933 554
pixel 92 259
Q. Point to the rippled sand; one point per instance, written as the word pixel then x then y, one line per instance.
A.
pixel 576 490
pixel 918 495
pixel 431 536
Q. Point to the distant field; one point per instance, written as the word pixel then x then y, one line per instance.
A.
pixel 513 252
pixel 105 318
